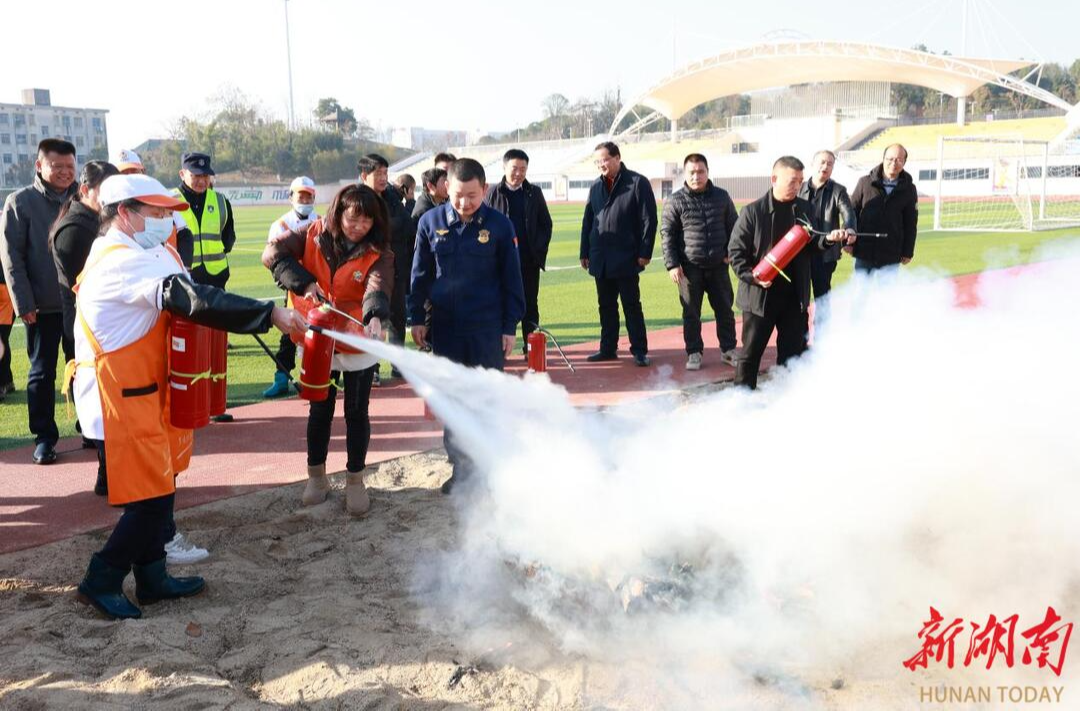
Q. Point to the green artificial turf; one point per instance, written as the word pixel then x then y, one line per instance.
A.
pixel 567 297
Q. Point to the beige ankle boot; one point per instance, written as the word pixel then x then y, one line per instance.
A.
pixel 317 485
pixel 357 500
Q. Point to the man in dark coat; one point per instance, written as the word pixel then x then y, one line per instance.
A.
pixel 830 209
pixel 886 201
pixel 618 232
pixel 524 204
pixel 694 229
pixel 30 274
pixel 374 173
pixel 779 304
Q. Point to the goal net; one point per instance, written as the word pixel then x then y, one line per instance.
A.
pixel 1006 183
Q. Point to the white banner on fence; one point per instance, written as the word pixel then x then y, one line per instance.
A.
pixel 273 194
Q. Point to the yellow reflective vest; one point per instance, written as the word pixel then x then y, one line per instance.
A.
pixel 209 250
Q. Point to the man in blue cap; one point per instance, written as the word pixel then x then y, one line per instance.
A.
pixel 205 233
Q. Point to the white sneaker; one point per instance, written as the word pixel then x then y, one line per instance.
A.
pixel 180 551
pixel 693 362
pixel 730 357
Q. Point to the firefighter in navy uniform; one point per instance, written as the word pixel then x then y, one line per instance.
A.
pixel 466 264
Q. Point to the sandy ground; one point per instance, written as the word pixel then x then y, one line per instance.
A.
pixel 309 608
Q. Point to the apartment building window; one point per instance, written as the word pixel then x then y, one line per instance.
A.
pixel 8 159
pixel 4 120
pixel 44 130
pixel 20 138
pixel 20 120
pixel 78 122
pixel 5 139
pixel 79 141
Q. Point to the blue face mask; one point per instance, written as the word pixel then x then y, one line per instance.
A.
pixel 154 232
pixel 303 210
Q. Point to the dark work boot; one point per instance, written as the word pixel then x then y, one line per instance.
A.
pixel 103 587
pixel 153 583
pixel 101 486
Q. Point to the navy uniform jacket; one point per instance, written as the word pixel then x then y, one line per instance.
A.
pixel 469 271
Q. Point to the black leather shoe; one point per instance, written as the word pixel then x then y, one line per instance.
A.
pixel 88 443
pixel 642 361
pixel 224 417
pixel 601 356
pixel 44 453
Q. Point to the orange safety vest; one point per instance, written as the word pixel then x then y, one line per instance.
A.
pixel 7 310
pixel 143 451
pixel 344 288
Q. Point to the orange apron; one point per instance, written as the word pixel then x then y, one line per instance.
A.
pixel 143 451
pixel 7 310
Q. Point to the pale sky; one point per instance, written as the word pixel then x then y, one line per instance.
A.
pixel 472 65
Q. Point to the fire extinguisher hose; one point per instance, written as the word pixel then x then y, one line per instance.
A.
pixel 547 333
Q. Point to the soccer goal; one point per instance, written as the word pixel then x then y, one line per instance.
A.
pixel 1004 183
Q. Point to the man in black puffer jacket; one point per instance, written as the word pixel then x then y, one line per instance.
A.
pixel 694 229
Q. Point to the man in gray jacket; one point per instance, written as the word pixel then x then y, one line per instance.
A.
pixel 31 277
pixel 830 209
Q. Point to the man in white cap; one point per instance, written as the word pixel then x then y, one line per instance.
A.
pixel 128 162
pixel 131 284
pixel 302 214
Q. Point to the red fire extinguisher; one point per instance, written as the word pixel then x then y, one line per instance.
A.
pixel 537 349
pixel 189 374
pixel 781 254
pixel 318 354
pixel 219 366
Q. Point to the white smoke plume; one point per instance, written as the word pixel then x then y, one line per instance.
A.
pixel 921 454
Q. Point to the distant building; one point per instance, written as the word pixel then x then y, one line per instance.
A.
pixel 23 125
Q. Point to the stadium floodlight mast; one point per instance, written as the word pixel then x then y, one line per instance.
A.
pixel 288 56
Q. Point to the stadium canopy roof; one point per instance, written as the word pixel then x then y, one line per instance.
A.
pixel 784 63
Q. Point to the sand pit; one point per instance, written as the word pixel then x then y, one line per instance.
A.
pixel 308 608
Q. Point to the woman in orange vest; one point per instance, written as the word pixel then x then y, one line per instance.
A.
pixel 131 284
pixel 343 258
pixel 7 318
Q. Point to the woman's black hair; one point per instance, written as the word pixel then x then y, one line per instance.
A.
pixel 92 176
pixel 363 201
pixel 110 211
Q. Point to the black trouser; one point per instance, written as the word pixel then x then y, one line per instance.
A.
pixel 395 330
pixel 42 347
pixel 5 355
pixel 608 294
pixel 715 283
pixel 357 422
pixel 821 273
pixel 286 353
pixel 530 279
pixel 782 312
pixel 475 350
pixel 140 535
